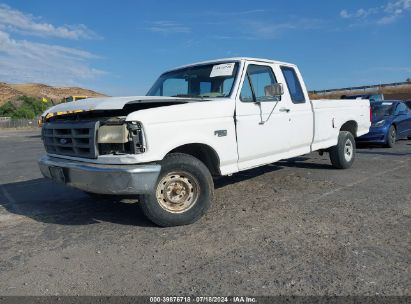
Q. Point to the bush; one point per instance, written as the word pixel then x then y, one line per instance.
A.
pixel 7 109
pixel 25 107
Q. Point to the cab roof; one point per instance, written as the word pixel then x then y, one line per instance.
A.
pixel 269 61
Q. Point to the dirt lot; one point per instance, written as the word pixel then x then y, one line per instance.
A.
pixel 297 227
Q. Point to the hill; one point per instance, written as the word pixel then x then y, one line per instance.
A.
pixel 402 92
pixel 10 92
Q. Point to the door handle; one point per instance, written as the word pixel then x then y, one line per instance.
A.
pixel 284 110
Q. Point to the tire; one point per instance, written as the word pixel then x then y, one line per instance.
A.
pixel 182 194
pixel 343 154
pixel 391 137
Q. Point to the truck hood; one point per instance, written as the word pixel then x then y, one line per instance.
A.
pixel 117 103
pixel 190 111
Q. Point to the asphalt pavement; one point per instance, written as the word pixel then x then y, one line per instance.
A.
pixel 296 227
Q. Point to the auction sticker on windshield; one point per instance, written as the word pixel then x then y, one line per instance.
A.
pixel 225 69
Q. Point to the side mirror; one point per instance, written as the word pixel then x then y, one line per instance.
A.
pixel 274 90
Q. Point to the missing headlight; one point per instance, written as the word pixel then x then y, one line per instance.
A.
pixel 125 138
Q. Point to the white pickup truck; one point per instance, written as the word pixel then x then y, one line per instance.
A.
pixel 197 122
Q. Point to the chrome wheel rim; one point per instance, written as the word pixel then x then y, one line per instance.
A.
pixel 348 150
pixel 177 192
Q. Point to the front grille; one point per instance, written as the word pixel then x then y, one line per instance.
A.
pixel 77 139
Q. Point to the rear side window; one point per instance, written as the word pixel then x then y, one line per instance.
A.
pixel 293 84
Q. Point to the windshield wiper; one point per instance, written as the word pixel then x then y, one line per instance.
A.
pixel 188 96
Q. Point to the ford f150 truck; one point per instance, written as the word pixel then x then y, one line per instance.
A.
pixel 197 122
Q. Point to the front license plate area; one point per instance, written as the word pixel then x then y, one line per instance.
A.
pixel 57 174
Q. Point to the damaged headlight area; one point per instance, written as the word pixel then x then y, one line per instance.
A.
pixel 120 137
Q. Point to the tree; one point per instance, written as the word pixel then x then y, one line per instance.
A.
pixel 24 107
pixel 408 80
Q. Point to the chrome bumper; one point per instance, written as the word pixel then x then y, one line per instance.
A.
pixel 103 179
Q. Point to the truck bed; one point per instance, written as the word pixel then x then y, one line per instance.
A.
pixel 334 113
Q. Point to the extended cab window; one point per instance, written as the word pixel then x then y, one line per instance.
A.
pixel 293 84
pixel 257 80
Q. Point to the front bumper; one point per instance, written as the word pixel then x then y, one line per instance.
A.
pixel 375 135
pixel 102 179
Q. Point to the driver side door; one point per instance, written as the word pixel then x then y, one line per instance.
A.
pixel 262 121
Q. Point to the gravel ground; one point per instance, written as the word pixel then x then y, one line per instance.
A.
pixel 296 227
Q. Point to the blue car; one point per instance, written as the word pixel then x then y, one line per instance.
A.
pixel 390 120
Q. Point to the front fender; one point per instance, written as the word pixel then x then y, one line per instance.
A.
pixel 168 128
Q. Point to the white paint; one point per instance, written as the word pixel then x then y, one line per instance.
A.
pixel 177 125
pixel 306 127
pixel 108 103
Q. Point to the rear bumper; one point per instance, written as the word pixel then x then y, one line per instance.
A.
pixel 103 179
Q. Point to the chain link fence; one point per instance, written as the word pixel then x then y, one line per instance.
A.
pixel 18 123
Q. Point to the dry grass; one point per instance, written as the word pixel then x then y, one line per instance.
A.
pixel 12 91
pixel 403 92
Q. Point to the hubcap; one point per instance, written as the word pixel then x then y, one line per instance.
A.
pixel 348 150
pixel 177 192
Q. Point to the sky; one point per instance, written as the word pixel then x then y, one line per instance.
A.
pixel 121 47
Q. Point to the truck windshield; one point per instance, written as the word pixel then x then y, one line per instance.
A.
pixel 208 81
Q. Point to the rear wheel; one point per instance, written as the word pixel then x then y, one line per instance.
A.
pixel 392 137
pixel 343 154
pixel 182 194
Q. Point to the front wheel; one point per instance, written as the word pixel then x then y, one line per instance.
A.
pixel 182 194
pixel 392 137
pixel 343 154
